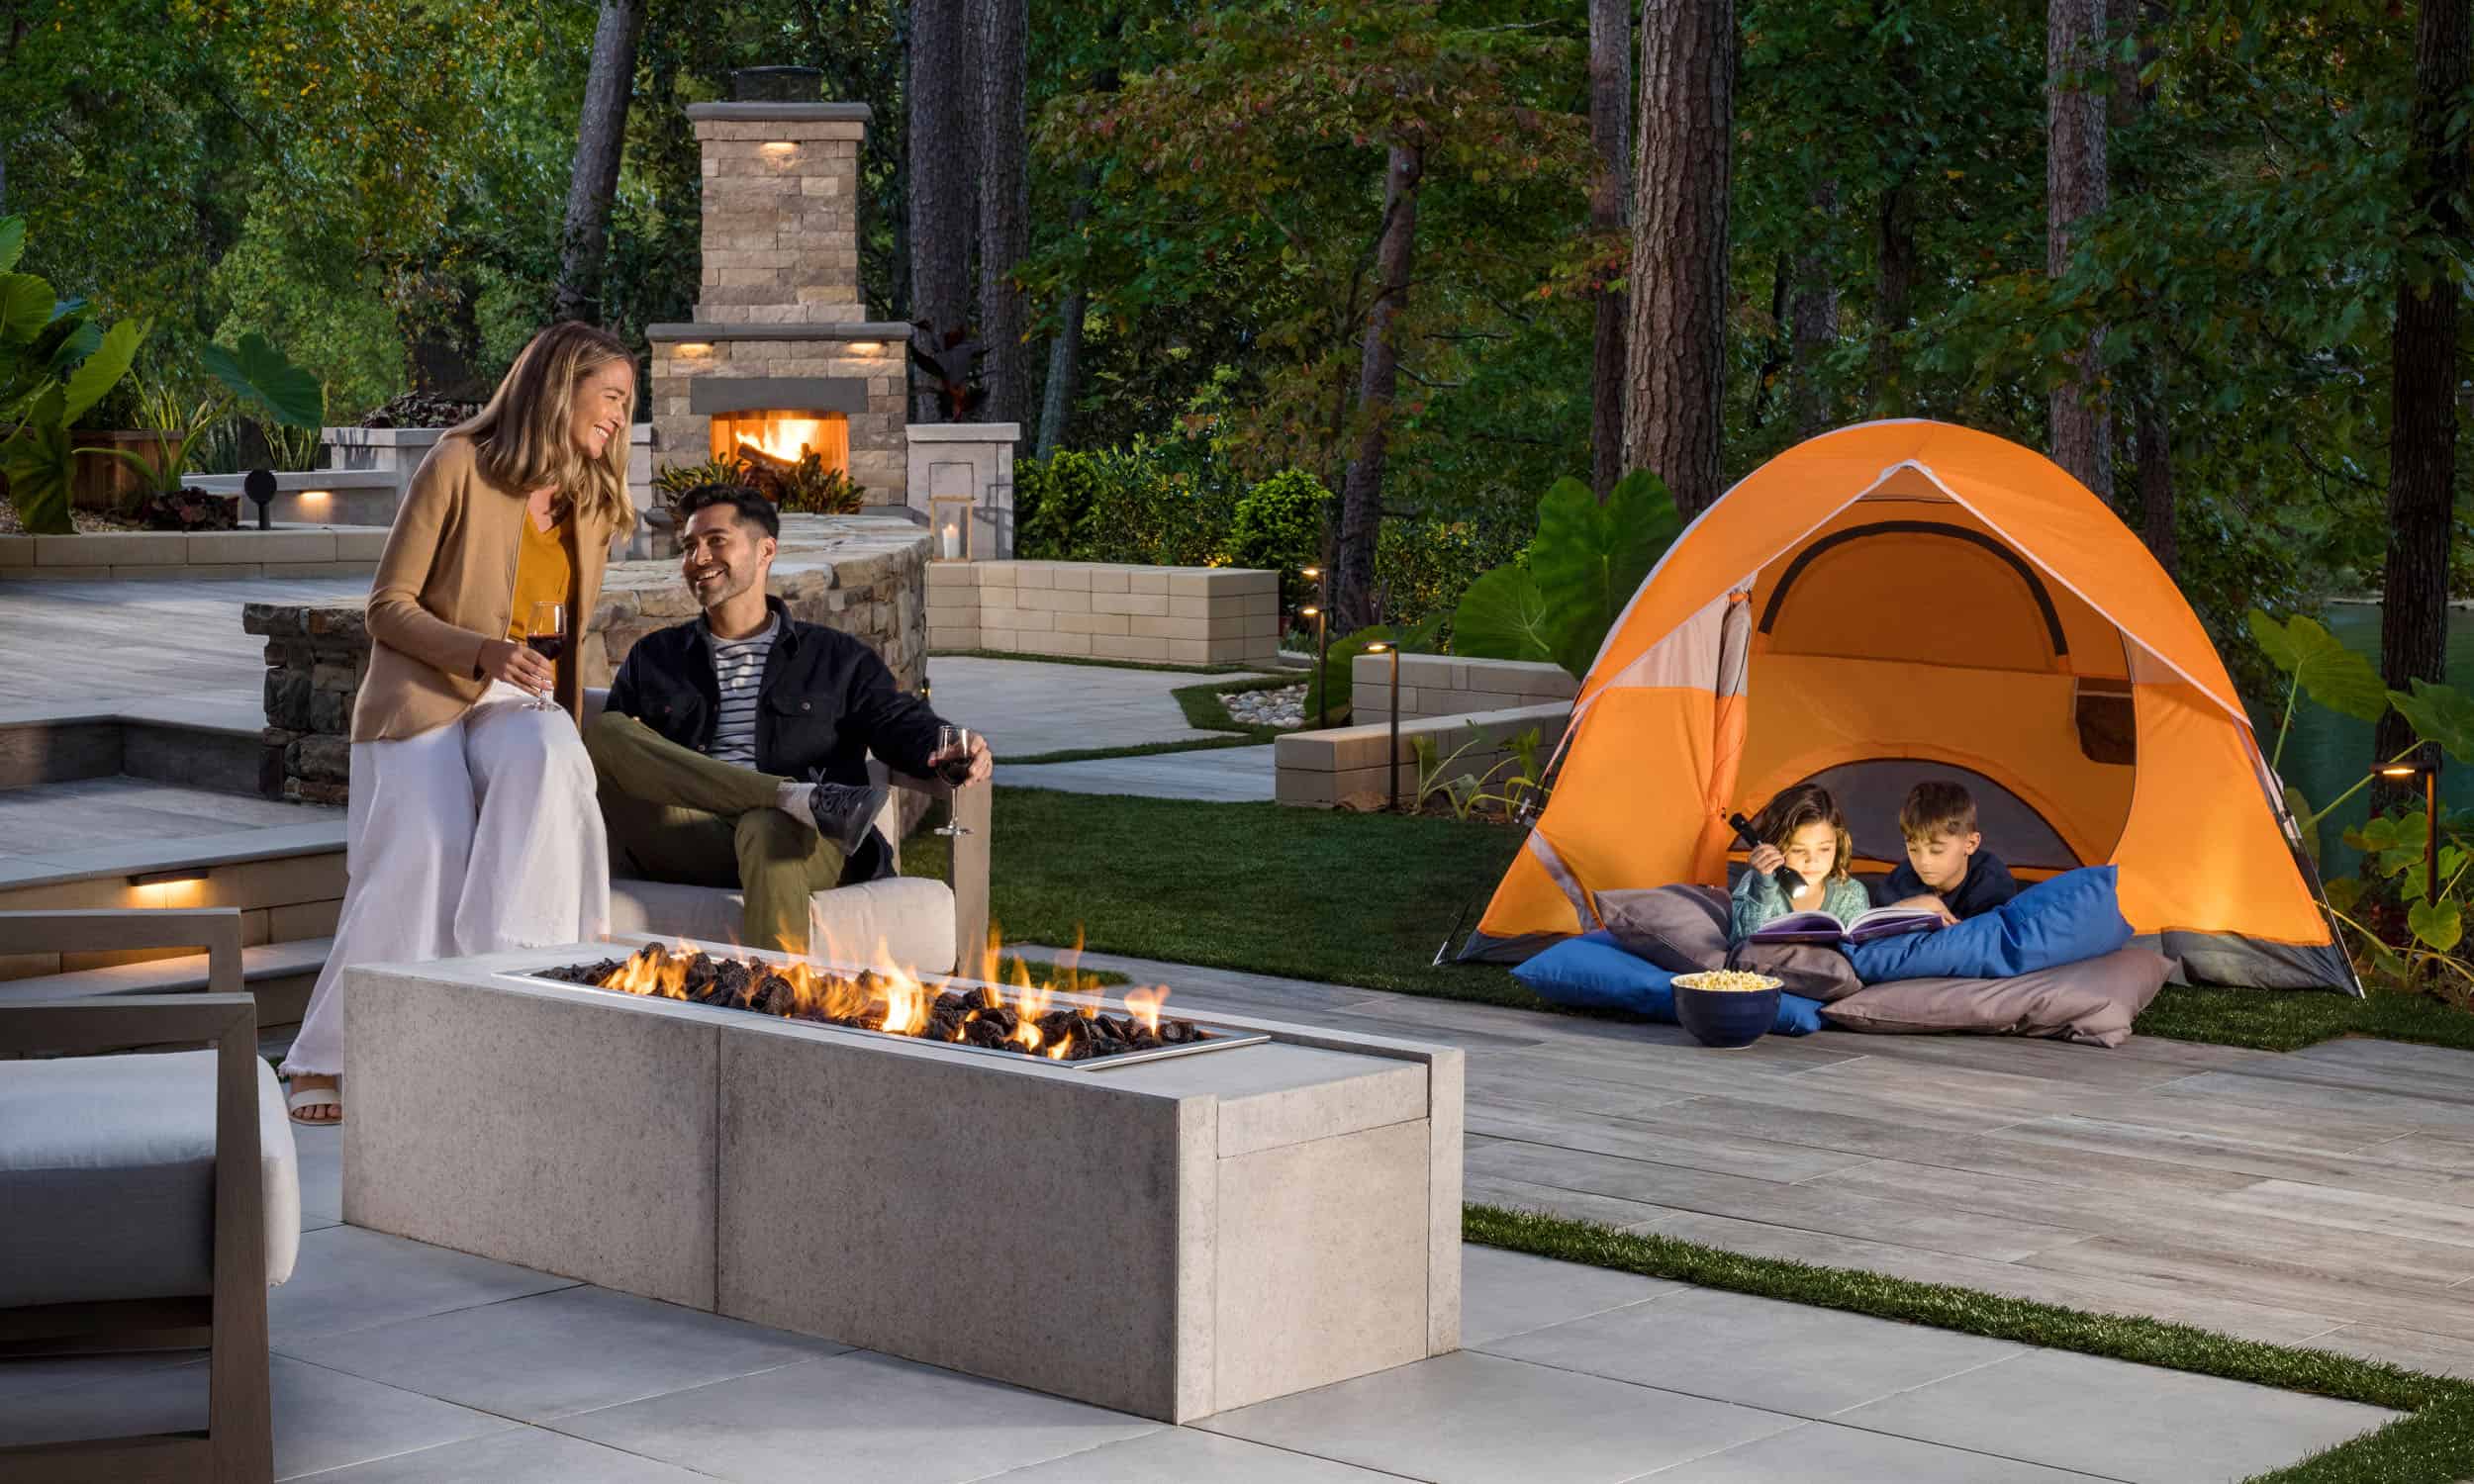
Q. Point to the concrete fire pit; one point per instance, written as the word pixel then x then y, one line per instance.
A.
pixel 1174 1236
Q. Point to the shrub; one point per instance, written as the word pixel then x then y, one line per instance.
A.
pixel 804 488
pixel 1279 526
pixel 1153 504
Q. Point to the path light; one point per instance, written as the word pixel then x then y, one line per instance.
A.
pixel 1394 650
pixel 2428 769
pixel 1322 682
pixel 1322 643
pixel 259 485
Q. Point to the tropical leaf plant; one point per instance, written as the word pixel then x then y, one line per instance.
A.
pixel 2440 715
pixel 1582 567
pixel 36 454
pixel 255 379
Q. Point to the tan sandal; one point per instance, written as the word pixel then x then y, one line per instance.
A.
pixel 316 1097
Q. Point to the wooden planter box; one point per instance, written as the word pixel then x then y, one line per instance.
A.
pixel 101 484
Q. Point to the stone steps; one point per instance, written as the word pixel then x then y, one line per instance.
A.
pixel 279 975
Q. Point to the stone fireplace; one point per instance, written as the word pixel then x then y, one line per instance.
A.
pixel 781 359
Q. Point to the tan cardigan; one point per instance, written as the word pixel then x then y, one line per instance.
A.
pixel 443 589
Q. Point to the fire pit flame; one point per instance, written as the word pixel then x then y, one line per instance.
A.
pixel 1021 1016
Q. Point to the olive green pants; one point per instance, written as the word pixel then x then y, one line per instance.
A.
pixel 677 815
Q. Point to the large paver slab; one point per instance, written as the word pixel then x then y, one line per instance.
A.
pixel 1473 1419
pixel 1191 1456
pixel 526 1455
pixel 323 1420
pixel 1220 774
pixel 2118 1419
pixel 349 1278
pixel 1761 1353
pixel 1511 1293
pixel 556 1353
pixel 1025 707
pixel 873 1417
pixel 1824 1453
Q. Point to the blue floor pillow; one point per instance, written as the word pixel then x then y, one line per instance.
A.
pixel 2071 917
pixel 1591 972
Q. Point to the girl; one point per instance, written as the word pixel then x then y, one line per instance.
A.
pixel 1803 830
pixel 473 824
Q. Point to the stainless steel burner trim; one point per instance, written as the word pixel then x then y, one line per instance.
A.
pixel 1223 1038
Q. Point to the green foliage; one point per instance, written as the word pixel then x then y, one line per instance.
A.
pixel 1504 617
pixel 2440 715
pixel 1424 563
pixel 1334 677
pixel 56 363
pixel 256 377
pixel 1165 503
pixel 2328 672
pixel 804 487
pixel 1583 567
pixel 676 480
pixel 1279 525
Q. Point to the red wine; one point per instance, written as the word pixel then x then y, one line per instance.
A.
pixel 955 770
pixel 547 646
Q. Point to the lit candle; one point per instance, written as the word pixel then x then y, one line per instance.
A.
pixel 953 540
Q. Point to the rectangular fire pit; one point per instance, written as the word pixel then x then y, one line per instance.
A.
pixel 1172 1232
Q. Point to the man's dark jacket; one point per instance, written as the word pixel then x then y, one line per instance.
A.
pixel 825 702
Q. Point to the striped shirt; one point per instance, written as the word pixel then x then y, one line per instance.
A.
pixel 738 664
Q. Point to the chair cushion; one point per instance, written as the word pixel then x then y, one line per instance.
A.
pixel 107 1176
pixel 912 916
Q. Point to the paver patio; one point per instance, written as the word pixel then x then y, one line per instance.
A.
pixel 396 1361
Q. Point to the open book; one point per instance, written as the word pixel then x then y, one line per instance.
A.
pixel 1821 927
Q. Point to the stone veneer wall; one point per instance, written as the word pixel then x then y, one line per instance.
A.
pixel 862 574
pixel 781 200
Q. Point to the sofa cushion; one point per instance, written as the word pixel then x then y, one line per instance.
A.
pixel 912 916
pixel 107 1173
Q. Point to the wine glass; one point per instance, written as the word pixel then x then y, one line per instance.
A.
pixel 546 636
pixel 953 747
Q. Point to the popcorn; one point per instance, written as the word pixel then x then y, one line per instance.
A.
pixel 1733 979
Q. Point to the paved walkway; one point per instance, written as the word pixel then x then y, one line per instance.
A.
pixel 1220 774
pixel 398 1362
pixel 1027 707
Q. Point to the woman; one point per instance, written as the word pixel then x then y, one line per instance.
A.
pixel 473 824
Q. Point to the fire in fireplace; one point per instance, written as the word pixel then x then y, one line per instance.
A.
pixel 776 436
pixel 1049 1021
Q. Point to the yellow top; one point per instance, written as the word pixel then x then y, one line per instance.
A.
pixel 540 575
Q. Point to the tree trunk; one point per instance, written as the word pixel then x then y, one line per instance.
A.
pixel 1379 376
pixel 1813 317
pixel 1776 346
pixel 2075 188
pixel 1005 206
pixel 2423 431
pixel 2151 435
pixel 1610 135
pixel 1896 263
pixel 591 182
pixel 1064 352
pixel 941 108
pixel 1674 376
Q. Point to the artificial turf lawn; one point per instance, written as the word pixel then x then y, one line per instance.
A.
pixel 2432 1445
pixel 1306 894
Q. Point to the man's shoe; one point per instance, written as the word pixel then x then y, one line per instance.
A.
pixel 844 813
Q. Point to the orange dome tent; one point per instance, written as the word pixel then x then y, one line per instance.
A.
pixel 1903 600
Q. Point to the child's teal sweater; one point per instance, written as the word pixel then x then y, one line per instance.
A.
pixel 1759 901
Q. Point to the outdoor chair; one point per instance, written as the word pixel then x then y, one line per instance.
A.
pixel 934 927
pixel 152 1196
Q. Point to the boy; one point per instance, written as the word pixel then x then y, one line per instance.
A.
pixel 1945 868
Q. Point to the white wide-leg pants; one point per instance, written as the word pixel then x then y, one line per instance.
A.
pixel 481 835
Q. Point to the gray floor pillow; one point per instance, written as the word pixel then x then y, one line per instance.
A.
pixel 1814 970
pixel 2093 1000
pixel 1677 928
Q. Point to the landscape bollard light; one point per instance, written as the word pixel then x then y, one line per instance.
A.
pixel 259 485
pixel 2428 770
pixel 1323 685
pixel 1394 650
pixel 1322 643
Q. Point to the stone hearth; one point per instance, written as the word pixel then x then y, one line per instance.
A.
pixel 781 324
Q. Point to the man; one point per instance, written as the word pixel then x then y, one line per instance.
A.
pixel 732 751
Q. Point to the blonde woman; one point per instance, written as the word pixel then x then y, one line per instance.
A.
pixel 473 823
